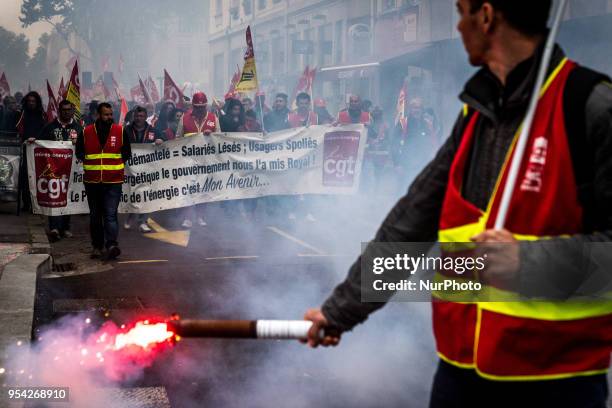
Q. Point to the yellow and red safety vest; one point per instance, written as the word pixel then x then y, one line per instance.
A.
pixel 192 128
pixel 103 164
pixel 345 119
pixel 296 120
pixel 524 340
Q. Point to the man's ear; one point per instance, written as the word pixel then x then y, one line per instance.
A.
pixel 487 17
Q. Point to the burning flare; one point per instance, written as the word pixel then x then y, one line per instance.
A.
pixel 144 334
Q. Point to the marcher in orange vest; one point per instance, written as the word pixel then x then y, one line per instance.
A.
pixel 534 344
pixel 103 150
pixel 197 121
pixel 303 116
pixel 354 113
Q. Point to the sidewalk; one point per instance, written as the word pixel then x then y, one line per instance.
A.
pixel 24 255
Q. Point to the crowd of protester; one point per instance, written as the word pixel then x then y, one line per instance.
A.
pixel 390 150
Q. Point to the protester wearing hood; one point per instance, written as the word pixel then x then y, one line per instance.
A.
pixel 233 119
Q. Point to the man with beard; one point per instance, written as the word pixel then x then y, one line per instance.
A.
pixel 277 119
pixel 140 131
pixel 303 116
pixel 233 119
pixel 354 113
pixel 103 150
pixel 63 129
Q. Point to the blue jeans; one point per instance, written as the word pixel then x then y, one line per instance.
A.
pixel 103 200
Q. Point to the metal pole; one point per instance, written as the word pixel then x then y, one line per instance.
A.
pixel 521 144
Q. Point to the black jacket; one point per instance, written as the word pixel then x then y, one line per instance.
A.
pixel 415 218
pixel 276 120
pixel 144 136
pixel 57 132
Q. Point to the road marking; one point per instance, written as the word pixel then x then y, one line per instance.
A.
pixel 179 238
pixel 143 261
pixel 232 257
pixel 296 240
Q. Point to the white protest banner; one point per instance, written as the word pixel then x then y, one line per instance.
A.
pixel 201 169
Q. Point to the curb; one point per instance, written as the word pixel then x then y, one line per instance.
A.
pixel 38 235
pixel 17 296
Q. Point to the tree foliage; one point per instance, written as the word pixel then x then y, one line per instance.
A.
pixel 14 54
pixel 108 25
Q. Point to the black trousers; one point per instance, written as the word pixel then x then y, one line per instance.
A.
pixel 455 387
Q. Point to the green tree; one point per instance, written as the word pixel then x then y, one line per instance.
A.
pixel 107 26
pixel 37 65
pixel 14 52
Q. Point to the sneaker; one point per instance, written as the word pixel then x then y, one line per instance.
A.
pixel 292 217
pixel 201 222
pixel 96 253
pixel 310 218
pixel 67 234
pixel 144 228
pixel 54 235
pixel 187 224
pixel 127 225
pixel 113 252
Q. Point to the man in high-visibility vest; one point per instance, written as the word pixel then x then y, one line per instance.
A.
pixel 200 122
pixel 354 113
pixel 103 150
pixel 546 348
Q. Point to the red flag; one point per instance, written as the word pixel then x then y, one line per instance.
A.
pixel 51 105
pixel 144 91
pixel 172 92
pixel 311 78
pixel 61 92
pixel 73 94
pixel 117 88
pixel 137 95
pixel 121 64
pixel 400 108
pixel 5 89
pixel 123 112
pixel 234 81
pixel 152 88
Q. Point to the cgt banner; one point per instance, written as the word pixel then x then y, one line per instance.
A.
pixel 201 169
pixel 10 149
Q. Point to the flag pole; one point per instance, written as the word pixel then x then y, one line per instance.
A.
pixel 521 144
pixel 263 129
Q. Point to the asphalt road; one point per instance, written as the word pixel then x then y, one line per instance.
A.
pixel 232 268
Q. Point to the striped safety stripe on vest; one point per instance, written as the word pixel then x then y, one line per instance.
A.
pixel 514 340
pixel 103 164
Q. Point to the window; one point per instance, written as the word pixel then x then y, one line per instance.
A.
pixel 219 79
pixel 261 4
pixel 247 6
pixel 325 46
pixel 309 56
pixel 388 5
pixel 293 60
pixel 338 42
pixel 263 58
pixel 184 59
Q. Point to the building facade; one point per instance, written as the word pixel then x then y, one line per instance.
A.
pixel 367 47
